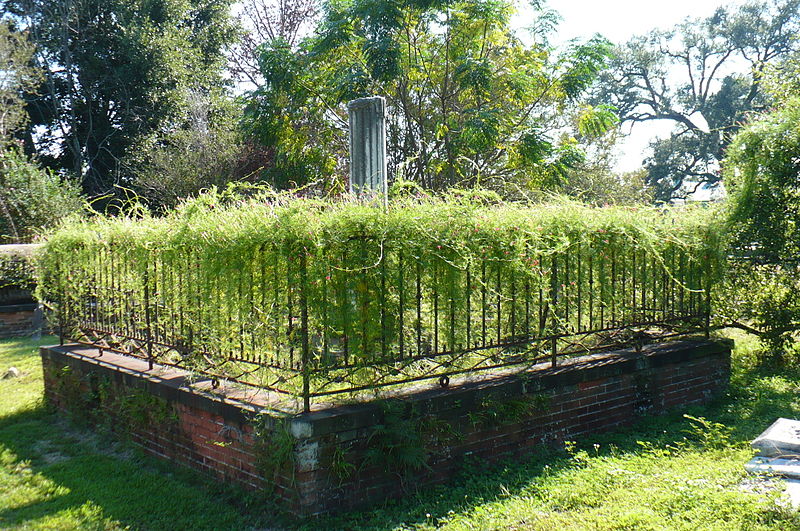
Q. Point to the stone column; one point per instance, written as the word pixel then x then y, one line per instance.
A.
pixel 368 147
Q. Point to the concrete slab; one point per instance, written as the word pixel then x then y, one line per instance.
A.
pixel 780 470
pixel 782 439
pixel 793 491
pixel 777 466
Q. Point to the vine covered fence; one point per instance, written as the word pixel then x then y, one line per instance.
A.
pixel 310 300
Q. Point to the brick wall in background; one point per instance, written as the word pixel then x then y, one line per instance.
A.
pixel 18 320
pixel 333 458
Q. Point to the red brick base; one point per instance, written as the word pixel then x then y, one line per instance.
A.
pixel 325 461
pixel 18 320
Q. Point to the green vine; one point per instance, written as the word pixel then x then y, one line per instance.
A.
pixel 274 447
pixel 139 409
pixel 352 267
pixel 16 271
pixel 95 399
pixel 493 411
pixel 396 443
pixel 340 466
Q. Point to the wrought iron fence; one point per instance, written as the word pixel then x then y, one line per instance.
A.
pixel 374 316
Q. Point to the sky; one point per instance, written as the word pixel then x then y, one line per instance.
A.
pixel 618 21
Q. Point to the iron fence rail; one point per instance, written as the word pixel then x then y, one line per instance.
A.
pixel 377 315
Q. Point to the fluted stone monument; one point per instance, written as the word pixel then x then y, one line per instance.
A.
pixel 368 147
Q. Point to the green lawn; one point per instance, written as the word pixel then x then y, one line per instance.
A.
pixel 666 473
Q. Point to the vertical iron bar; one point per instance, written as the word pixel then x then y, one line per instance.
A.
pixel 513 331
pixel 383 306
pixel 325 322
pixel 613 285
pixel 345 305
pixel 451 272
pixel 635 311
pixel 591 290
pixel 290 287
pixel 663 289
pixel 364 310
pixel 707 272
pixel 672 281
pixel 499 315
pixel 401 288
pixel 654 274
pixel 553 310
pixel 469 307
pixel 148 333
pixel 527 307
pixel 682 286
pixel 483 303
pixel 435 273
pixel 565 293
pixel 419 308
pixel 579 264
pixel 305 364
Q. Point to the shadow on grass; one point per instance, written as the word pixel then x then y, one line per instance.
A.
pixel 68 477
pixel 749 406
pixel 78 479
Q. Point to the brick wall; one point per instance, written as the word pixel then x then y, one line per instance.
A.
pixel 154 413
pixel 18 320
pixel 329 459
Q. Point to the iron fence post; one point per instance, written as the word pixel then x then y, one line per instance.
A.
pixel 553 310
pixel 147 331
pixel 708 272
pixel 61 304
pixel 305 362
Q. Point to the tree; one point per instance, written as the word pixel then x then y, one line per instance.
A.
pixel 719 61
pixel 267 21
pixel 208 150
pixel 17 77
pixel 595 181
pixel 469 103
pixel 762 176
pixel 116 71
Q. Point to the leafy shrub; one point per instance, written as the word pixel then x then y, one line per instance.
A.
pixel 763 299
pixel 31 199
pixel 208 151
pixel 16 270
pixel 762 175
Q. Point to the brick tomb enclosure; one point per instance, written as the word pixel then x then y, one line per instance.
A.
pixel 333 458
pixel 18 320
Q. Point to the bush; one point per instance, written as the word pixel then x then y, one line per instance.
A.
pixel 16 271
pixel 32 199
pixel 207 151
pixel 762 176
pixel 763 299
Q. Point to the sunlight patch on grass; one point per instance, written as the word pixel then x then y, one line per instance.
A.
pixel 667 472
pixel 21 393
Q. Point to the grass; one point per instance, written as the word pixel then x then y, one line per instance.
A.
pixel 668 472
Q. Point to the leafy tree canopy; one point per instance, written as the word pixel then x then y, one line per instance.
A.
pixel 762 175
pixel 703 76
pixel 116 70
pixel 469 102
pixel 17 76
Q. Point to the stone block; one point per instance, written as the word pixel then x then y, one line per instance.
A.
pixel 781 439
